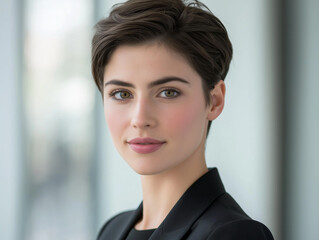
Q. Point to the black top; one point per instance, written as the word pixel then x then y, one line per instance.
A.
pixel 205 211
pixel 139 234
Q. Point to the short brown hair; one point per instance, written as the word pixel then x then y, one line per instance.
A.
pixel 187 27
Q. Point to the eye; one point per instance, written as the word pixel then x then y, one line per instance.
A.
pixel 169 93
pixel 120 95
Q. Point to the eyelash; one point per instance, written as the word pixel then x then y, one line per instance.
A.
pixel 177 92
pixel 114 92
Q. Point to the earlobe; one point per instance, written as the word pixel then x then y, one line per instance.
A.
pixel 217 100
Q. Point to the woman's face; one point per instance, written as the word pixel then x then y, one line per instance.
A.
pixel 154 108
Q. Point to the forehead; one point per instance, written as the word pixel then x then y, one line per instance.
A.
pixel 151 60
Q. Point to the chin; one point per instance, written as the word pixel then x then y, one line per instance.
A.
pixel 147 170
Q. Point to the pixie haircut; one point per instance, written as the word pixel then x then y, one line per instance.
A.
pixel 188 28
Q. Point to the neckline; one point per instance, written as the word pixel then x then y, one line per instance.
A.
pixel 145 230
pixel 196 199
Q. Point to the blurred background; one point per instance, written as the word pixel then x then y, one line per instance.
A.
pixel 60 176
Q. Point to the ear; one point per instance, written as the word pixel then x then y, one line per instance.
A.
pixel 217 100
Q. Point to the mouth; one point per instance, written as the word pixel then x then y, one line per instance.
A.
pixel 145 145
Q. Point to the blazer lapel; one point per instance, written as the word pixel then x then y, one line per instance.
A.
pixel 129 224
pixel 190 206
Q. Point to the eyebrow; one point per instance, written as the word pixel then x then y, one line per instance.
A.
pixel 150 85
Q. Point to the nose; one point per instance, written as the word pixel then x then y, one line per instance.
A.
pixel 143 115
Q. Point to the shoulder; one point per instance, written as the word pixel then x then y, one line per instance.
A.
pixel 114 224
pixel 242 229
pixel 226 220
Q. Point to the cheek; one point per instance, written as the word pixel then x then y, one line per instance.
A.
pixel 186 121
pixel 114 122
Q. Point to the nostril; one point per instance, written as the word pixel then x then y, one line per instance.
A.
pixel 136 125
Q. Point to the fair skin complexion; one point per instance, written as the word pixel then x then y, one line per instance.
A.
pixel 151 91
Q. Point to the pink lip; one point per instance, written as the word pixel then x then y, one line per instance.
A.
pixel 145 145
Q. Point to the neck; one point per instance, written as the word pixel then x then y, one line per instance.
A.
pixel 163 190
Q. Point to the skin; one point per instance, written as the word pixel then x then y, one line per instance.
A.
pixel 174 112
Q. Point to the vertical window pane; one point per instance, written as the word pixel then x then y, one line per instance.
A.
pixel 59 101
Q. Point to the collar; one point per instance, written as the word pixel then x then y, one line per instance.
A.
pixel 197 198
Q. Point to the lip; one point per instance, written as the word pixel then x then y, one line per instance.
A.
pixel 145 145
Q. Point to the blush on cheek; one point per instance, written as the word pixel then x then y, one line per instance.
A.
pixel 186 120
pixel 114 122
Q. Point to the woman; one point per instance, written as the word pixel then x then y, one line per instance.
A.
pixel 160 67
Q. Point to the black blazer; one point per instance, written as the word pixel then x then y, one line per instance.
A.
pixel 205 211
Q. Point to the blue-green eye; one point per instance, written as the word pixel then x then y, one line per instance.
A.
pixel 169 93
pixel 121 95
